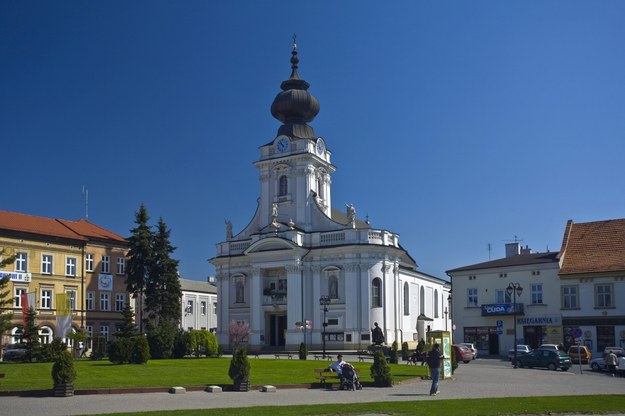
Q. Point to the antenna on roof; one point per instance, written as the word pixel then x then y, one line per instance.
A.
pixel 489 249
pixel 85 192
pixel 516 239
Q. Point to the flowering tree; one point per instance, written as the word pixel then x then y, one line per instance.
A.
pixel 239 332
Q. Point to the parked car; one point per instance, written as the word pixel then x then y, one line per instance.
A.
pixel 579 354
pixel 552 347
pixel 13 352
pixel 616 350
pixel 462 353
pixel 520 350
pixel 598 364
pixel 471 347
pixel 545 358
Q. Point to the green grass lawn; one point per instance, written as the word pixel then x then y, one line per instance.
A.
pixel 459 407
pixel 183 372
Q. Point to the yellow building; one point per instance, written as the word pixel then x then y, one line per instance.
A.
pixel 54 256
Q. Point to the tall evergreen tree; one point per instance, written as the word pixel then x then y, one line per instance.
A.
pixel 128 328
pixel 139 259
pixel 163 292
pixel 31 335
pixel 6 301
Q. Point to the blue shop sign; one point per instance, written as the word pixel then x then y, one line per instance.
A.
pixel 501 309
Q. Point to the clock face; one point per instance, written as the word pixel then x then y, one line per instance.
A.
pixel 282 144
pixel 320 146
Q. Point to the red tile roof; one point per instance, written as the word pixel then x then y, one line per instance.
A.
pixel 77 230
pixel 593 247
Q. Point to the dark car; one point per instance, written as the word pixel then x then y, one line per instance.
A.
pixel 545 358
pixel 462 353
pixel 13 352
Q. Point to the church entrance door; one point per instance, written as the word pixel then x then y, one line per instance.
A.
pixel 277 329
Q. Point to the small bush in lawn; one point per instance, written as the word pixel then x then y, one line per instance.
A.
pixel 140 350
pixel 380 371
pixel 239 370
pixel 303 351
pixel 63 371
pixel 405 352
pixel 394 356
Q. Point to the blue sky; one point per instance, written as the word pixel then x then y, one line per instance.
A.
pixel 456 124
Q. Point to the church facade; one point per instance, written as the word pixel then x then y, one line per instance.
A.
pixel 302 271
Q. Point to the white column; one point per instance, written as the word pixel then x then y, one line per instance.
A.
pixel 294 305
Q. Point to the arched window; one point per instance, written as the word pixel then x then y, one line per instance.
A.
pixel 376 293
pixel 45 335
pixel 422 300
pixel 406 299
pixel 283 187
pixel 239 290
pixel 333 286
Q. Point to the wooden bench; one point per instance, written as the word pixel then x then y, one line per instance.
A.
pixel 283 354
pixel 320 356
pixel 363 357
pixel 324 375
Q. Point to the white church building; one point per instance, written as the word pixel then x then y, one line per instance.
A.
pixel 299 263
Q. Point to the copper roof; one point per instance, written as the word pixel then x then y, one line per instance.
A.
pixel 82 230
pixel 593 247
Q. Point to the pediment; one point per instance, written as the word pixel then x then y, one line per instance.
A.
pixel 270 244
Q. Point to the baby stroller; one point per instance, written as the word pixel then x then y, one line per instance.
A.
pixel 349 379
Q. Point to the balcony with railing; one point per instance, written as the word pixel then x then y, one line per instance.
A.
pixel 314 240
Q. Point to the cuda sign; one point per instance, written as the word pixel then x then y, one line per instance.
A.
pixel 497 309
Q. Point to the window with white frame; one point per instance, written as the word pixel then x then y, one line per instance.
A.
pixel 45 298
pixel 569 297
pixel 71 294
pixel 189 309
pixel 70 266
pixel 203 308
pixel 21 262
pixel 89 262
pixel 537 293
pixel 46 264
pixel 603 295
pixel 239 290
pixel 333 285
pixel 120 301
pixel 283 186
pixel 105 301
pixel 121 265
pixel 104 332
pixel 106 264
pixel 503 296
pixel 376 293
pixel 215 308
pixel 18 296
pixel 472 298
pixel 90 296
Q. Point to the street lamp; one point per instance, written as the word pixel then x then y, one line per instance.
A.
pixel 324 301
pixel 445 318
pixel 515 290
pixel 451 312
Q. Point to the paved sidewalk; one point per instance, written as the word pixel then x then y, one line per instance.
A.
pixel 480 378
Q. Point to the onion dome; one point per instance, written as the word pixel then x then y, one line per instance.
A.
pixel 295 106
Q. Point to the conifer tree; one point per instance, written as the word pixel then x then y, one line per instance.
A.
pixel 139 259
pixel 163 292
pixel 128 329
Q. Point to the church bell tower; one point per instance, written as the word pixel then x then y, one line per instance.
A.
pixel 295 165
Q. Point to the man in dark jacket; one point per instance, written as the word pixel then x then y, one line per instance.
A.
pixel 434 360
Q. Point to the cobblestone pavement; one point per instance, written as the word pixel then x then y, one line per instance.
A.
pixel 480 378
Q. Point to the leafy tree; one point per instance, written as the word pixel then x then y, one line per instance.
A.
pixel 162 291
pixel 139 259
pixel 6 301
pixel 239 331
pixel 161 339
pixel 182 344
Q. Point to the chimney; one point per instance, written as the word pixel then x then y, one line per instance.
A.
pixel 526 250
pixel 513 249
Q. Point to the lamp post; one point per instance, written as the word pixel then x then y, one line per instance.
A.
pixel 324 301
pixel 515 290
pixel 451 312
pixel 445 318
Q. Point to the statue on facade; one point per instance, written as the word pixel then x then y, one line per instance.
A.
pixel 228 229
pixel 351 214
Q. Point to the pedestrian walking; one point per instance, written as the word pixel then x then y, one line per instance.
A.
pixel 611 361
pixel 434 360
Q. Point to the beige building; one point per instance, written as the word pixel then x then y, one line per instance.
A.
pixel 54 256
